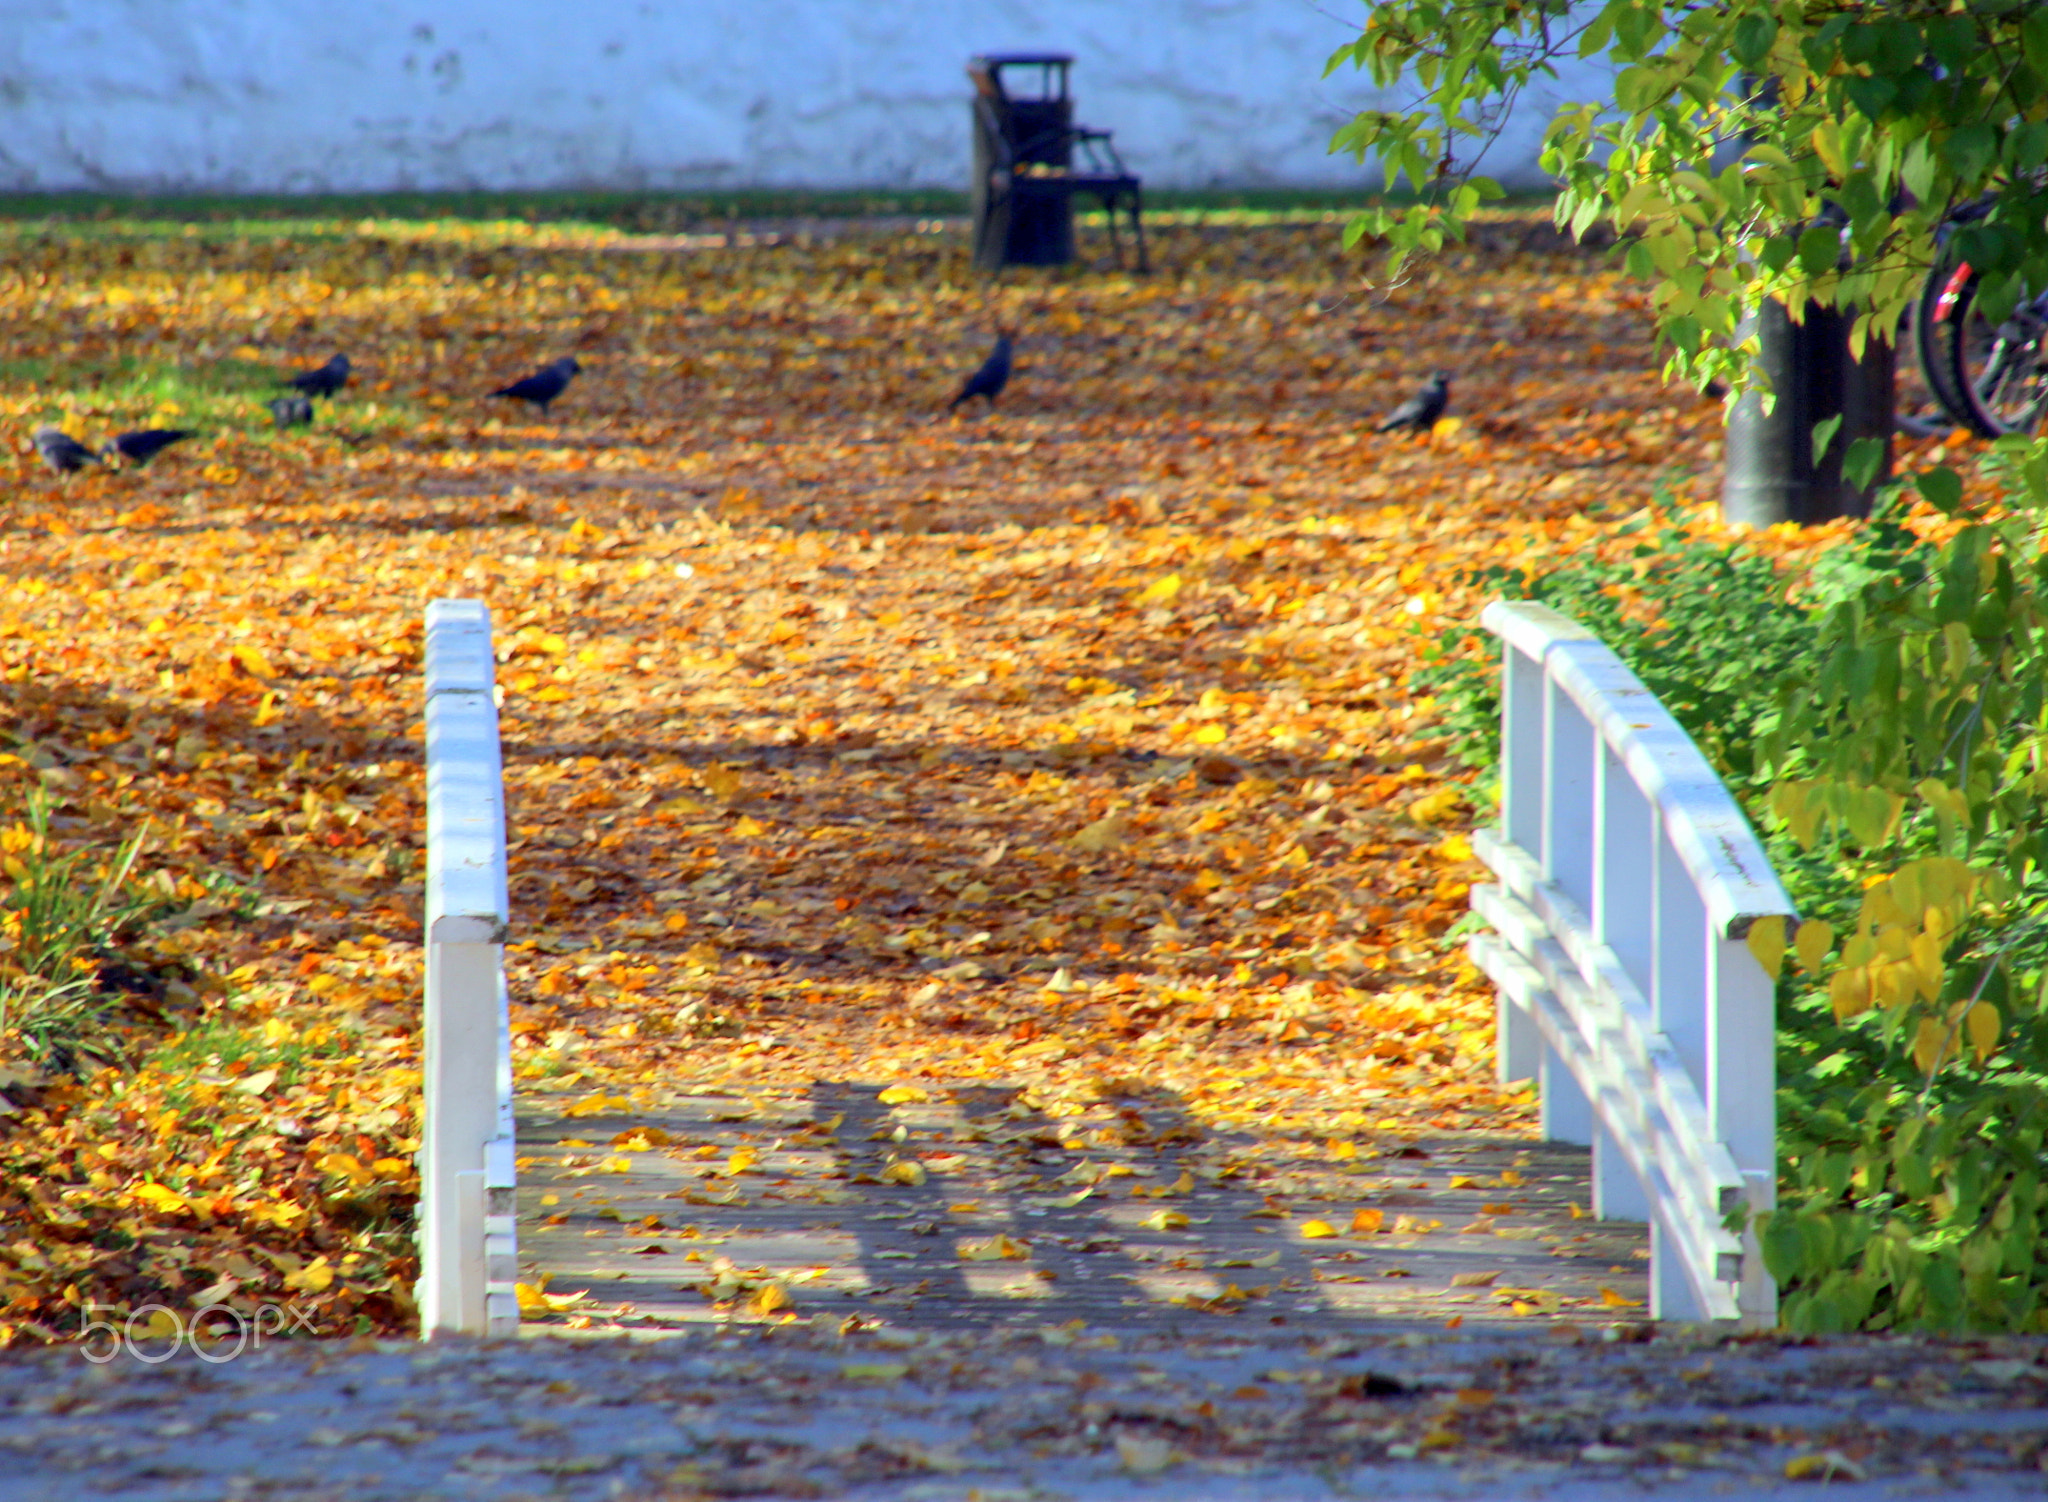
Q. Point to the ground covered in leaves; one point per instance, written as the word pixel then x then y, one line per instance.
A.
pixel 1067 751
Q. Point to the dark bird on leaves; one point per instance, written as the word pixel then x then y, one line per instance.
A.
pixel 990 380
pixel 291 411
pixel 145 444
pixel 62 452
pixel 544 385
pixel 325 381
pixel 1421 410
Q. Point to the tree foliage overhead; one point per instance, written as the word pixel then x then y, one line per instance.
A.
pixel 1797 149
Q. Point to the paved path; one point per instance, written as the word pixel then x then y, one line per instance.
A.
pixel 1242 1413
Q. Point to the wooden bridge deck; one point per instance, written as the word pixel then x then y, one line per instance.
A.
pixel 716 1208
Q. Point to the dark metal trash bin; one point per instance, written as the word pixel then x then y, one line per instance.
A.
pixel 1025 172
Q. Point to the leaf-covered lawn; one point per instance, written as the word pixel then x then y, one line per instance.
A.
pixel 1066 747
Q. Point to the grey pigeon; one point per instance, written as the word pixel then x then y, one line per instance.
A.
pixel 1421 410
pixel 62 452
pixel 291 411
pixel 544 385
pixel 990 380
pixel 145 444
pixel 325 381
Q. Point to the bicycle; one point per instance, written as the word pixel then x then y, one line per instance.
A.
pixel 1989 378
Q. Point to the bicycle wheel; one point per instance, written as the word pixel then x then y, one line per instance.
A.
pixel 1931 336
pixel 1998 370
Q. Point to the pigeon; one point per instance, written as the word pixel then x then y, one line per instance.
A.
pixel 291 411
pixel 1421 410
pixel 325 381
pixel 62 452
pixel 990 380
pixel 145 444
pixel 544 385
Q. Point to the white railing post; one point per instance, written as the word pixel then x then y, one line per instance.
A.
pixel 1518 1046
pixel 468 1254
pixel 1629 881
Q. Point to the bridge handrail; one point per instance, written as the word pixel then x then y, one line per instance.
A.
pixel 468 1246
pixel 1628 882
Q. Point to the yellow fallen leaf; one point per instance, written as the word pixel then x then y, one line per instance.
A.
pixel 596 1105
pixel 257 1083
pixel 641 1139
pixel 1317 1230
pixel 903 1095
pixel 742 1159
pixel 769 1298
pixel 1106 833
pixel 994 1249
pixel 1443 806
pixel 534 1299
pixel 1824 1465
pixel 1342 1151
pixel 1615 1300
pixel 1165 1220
pixel 160 1199
pixel 1160 591
pixel 1365 1222
pixel 874 1371
pixel 907 1173
pixel 316 1276
pixel 1464 1181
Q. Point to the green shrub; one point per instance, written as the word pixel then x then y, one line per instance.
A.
pixel 1883 717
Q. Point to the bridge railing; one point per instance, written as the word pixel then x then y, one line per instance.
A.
pixel 1628 882
pixel 468 1249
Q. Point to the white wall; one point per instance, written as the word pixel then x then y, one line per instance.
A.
pixel 313 95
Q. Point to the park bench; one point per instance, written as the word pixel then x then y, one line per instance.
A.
pixel 1030 160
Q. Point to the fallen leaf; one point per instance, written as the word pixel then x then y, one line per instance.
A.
pixel 1824 1465
pixel 1145 1455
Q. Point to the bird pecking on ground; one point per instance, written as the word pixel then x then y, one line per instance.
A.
pixel 62 452
pixel 544 385
pixel 325 381
pixel 991 378
pixel 291 412
pixel 1421 410
pixel 144 444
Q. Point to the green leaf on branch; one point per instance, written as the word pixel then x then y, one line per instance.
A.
pixel 1824 434
pixel 1861 464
